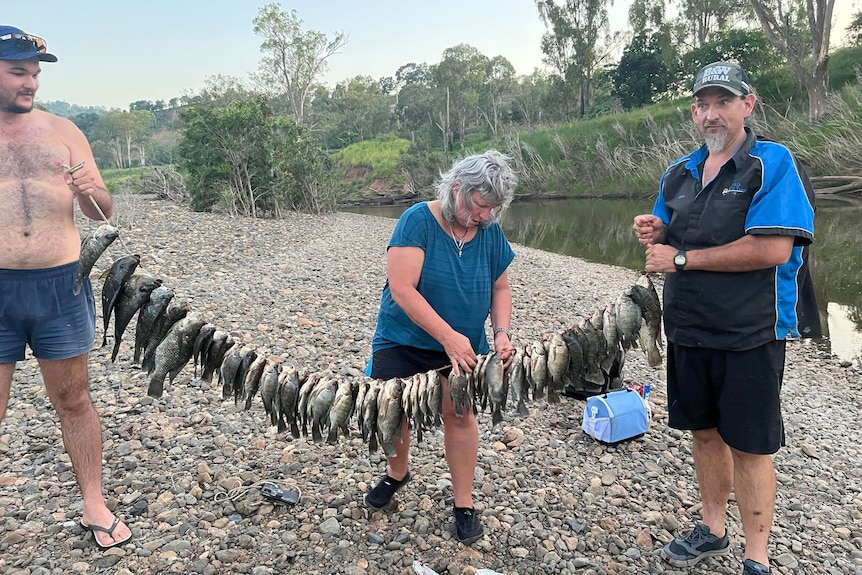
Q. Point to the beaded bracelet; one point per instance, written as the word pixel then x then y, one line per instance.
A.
pixel 502 330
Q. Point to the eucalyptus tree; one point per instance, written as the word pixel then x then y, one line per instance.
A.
pixel 641 75
pixel 499 89
pixel 800 30
pixel 854 29
pixel 577 41
pixel 705 16
pixel 124 133
pixel 747 46
pixel 360 109
pixel 293 58
pixel 529 91
pixel 457 78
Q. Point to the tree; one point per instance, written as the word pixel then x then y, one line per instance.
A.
pixel 706 16
pixel 641 74
pixel 854 29
pixel 779 20
pixel 252 161
pixel 746 46
pixel 571 44
pixel 293 58
pixel 457 78
pixel 125 133
pixel 527 102
pixel 355 110
pixel 499 88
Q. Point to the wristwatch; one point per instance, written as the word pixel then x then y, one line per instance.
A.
pixel 679 260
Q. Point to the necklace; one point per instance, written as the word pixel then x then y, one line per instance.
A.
pixel 459 240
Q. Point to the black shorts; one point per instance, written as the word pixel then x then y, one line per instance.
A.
pixel 404 361
pixel 737 392
pixel 37 308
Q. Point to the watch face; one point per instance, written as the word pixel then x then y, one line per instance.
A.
pixel 679 260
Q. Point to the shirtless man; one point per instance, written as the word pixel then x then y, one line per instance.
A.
pixel 39 250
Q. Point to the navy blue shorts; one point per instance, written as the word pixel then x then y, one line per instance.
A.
pixel 737 392
pixel 37 308
pixel 404 361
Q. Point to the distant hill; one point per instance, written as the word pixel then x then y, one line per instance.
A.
pixel 67 110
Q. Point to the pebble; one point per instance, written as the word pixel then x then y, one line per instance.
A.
pixel 184 469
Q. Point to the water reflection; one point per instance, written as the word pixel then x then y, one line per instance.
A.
pixel 600 231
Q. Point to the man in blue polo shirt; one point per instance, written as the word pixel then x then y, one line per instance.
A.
pixel 730 228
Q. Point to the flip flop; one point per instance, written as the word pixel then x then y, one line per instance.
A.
pixel 108 530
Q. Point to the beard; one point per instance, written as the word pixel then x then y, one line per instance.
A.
pixel 715 142
pixel 10 107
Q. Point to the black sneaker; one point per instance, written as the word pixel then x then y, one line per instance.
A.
pixel 468 528
pixel 752 567
pixel 381 495
pixel 699 544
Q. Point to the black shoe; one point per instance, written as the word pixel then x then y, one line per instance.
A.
pixel 381 495
pixel 468 528
pixel 752 567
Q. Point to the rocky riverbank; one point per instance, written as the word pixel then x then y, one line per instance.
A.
pixel 184 470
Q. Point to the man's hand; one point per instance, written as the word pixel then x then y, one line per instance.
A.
pixel 81 180
pixel 659 258
pixel 648 229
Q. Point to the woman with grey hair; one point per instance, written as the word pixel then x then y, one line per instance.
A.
pixel 446 274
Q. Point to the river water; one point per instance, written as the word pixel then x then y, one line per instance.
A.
pixel 600 231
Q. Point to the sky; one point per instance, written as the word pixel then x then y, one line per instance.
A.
pixel 115 52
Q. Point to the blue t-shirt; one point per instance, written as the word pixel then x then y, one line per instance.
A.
pixel 458 288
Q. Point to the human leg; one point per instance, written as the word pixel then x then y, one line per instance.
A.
pixel 397 472
pixel 67 384
pixel 6 370
pixel 754 481
pixel 714 467
pixel 461 440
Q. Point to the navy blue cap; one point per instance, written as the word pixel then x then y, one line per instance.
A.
pixel 15 44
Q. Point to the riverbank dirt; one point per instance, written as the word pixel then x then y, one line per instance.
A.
pixel 184 470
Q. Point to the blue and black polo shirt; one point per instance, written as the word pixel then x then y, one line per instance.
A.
pixel 762 189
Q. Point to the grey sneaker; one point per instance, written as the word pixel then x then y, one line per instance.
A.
pixel 752 567
pixel 697 545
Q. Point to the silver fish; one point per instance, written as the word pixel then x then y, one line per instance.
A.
pixel 229 366
pixel 174 352
pixel 435 396
pixel 497 386
pixel 340 410
pixel 649 336
pixel 389 415
pixel 201 346
pixel 539 368
pixel 368 415
pixel 135 293
pixel 93 245
pixel 628 320
pixel 459 391
pixel 321 404
pixel 518 383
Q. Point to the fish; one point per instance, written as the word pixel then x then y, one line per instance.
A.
pixel 539 368
pixel 629 318
pixel 269 389
pixel 612 337
pixel 320 402
pixel 459 392
pixel 248 357
pixel 389 415
pixel 558 365
pixel 135 293
pixel 340 410
pixel 116 278
pixel 174 352
pixel 435 396
pixel 286 397
pixel 368 415
pixel 93 245
pixel 649 336
pixel 202 343
pixel 497 386
pixel 229 365
pixel 177 309
pixel 518 383
pixel 303 399
pixel 155 306
pixel 214 354
pixel 251 381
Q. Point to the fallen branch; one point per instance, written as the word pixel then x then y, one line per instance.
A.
pixel 837 184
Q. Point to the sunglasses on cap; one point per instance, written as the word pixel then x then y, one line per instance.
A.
pixel 22 43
